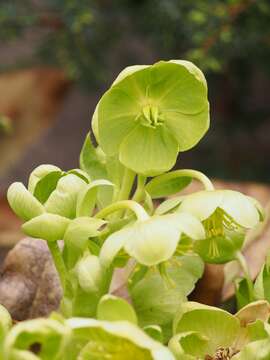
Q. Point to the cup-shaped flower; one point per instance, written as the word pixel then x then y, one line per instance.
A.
pixel 119 340
pixel 205 332
pixel 226 216
pixel 150 113
pixel 152 241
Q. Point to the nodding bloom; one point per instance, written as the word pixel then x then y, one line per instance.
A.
pixel 151 113
pixel 153 240
pixel 226 216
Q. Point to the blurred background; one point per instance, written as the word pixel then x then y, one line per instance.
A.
pixel 59 56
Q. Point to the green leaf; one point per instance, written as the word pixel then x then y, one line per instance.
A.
pixel 149 151
pixel 113 308
pixel 51 335
pixel 242 293
pixel 154 301
pixel 158 188
pixel 39 173
pixel 77 236
pixel 94 162
pixel 63 200
pixel 23 203
pixel 87 198
pixel 100 340
pixel 49 227
pixel 262 284
pixel 169 205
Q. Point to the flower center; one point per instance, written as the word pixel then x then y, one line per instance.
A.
pixel 151 116
pixel 222 354
pixel 215 227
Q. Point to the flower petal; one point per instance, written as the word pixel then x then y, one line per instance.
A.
pixel 149 151
pixel 152 242
pixel 188 129
pixel 38 173
pixel 23 203
pixel 49 227
pixel 240 208
pixel 201 204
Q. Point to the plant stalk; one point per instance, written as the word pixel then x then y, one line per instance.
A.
pixel 58 262
pixel 139 211
pixel 243 264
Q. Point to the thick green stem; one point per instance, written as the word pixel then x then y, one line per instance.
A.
pixel 125 204
pixel 126 186
pixel 194 174
pixel 243 264
pixel 139 193
pixel 58 262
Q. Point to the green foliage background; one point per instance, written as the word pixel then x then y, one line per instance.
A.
pixel 229 40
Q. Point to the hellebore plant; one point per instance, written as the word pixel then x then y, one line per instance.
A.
pixel 101 219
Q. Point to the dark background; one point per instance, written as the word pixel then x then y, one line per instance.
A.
pixel 87 43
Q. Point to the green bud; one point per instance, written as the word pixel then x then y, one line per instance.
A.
pixel 23 203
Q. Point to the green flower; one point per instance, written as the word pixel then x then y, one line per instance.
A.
pixel 225 215
pixel 150 113
pixel 153 240
pixel 205 332
pixel 117 340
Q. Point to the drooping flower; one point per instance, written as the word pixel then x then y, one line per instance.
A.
pixel 150 113
pixel 226 216
pixel 152 241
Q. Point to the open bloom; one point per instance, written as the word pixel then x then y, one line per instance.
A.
pixel 153 240
pixel 150 113
pixel 226 215
pixel 207 333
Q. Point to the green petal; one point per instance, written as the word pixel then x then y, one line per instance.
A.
pixel 193 69
pixel 169 205
pixel 112 245
pixel 119 340
pixel 129 70
pixel 176 87
pixel 45 186
pixel 39 172
pixel 49 227
pixel 219 326
pixel 257 350
pixel 117 112
pixel 149 151
pixel 240 208
pixel 63 200
pixel 113 308
pixel 187 224
pixel 88 196
pixel 23 203
pixel 187 129
pixel 52 335
pixel 201 204
pixel 258 310
pixel 188 345
pixel 151 242
pixel 89 272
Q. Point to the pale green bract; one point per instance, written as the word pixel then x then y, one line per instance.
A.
pixel 152 241
pixel 150 113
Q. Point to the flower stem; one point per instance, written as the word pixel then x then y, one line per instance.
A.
pixel 124 204
pixel 58 262
pixel 194 174
pixel 243 264
pixel 139 193
pixel 127 183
